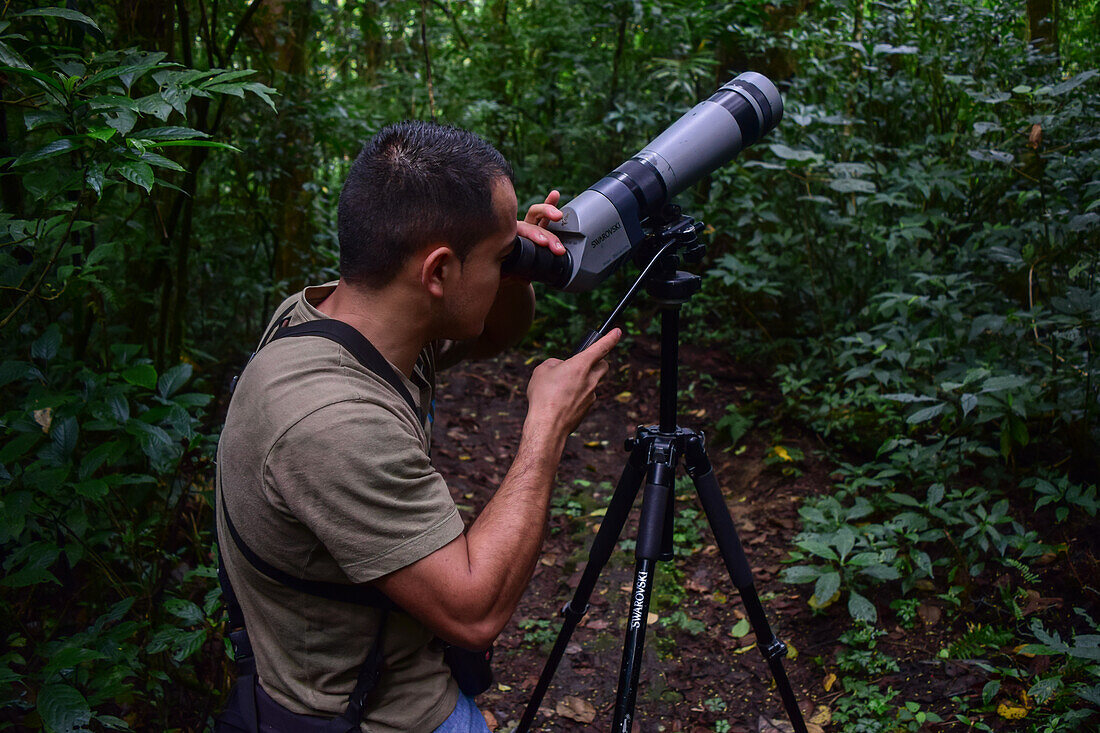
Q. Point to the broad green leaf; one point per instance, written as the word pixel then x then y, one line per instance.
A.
pixel 801 574
pixel 143 375
pixel 787 153
pixel 193 144
pixel 825 588
pixel 160 161
pixel 127 73
pixel 1044 689
pixel 1073 83
pixel 990 690
pixel 845 540
pixel 10 57
pixel 64 434
pixel 170 133
pixel 899 397
pixel 49 150
pixel 263 92
pixel 184 610
pixel 968 402
pixel 173 379
pixel 999 384
pixel 138 172
pixel 740 629
pixel 33 564
pixel 60 13
pixel 35 118
pixel 123 121
pixel 63 709
pixel 852 185
pixel 817 547
pixel 881 572
pixel 17 447
pixel 903 499
pixel 236 89
pixel 10 371
pixel 922 560
pixel 45 346
pixel 93 488
pixel 926 414
pixel 860 608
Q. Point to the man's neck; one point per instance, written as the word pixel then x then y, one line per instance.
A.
pixel 382 316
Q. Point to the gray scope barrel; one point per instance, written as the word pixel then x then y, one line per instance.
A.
pixel 601 225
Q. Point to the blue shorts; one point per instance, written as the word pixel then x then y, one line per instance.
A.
pixel 466 718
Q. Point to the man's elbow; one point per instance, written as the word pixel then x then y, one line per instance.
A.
pixel 474 633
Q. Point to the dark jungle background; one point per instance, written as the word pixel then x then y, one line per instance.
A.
pixel 912 259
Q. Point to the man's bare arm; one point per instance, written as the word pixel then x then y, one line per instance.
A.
pixel 466 591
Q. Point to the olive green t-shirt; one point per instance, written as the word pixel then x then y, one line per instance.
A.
pixel 325 470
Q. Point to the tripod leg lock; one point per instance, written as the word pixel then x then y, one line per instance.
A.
pixel 567 611
pixel 776 650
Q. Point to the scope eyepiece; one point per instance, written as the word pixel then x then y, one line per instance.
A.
pixel 529 261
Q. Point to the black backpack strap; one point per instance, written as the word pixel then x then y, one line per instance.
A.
pixel 362 349
pixel 280 322
pixel 360 595
pixel 369 674
pixel 241 712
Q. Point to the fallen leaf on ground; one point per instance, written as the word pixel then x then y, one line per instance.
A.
pixel 490 719
pixel 1011 712
pixel 576 709
pixel 929 613
pixel 822 715
pixel 830 680
pixel 766 725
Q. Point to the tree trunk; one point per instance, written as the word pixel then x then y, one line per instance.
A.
pixel 1042 24
pixel 283 31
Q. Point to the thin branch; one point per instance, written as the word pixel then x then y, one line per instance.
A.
pixel 454 22
pixel 427 55
pixel 207 35
pixel 49 265
pixel 241 25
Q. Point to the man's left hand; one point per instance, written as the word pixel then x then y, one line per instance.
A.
pixel 533 226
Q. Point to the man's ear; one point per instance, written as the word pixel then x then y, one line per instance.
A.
pixel 438 269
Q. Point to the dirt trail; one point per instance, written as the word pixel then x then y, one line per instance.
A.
pixel 696 672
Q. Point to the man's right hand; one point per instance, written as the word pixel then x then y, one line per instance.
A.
pixel 466 591
pixel 561 393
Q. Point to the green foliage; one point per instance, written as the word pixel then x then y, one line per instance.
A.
pixel 1064 695
pixel 86 453
pixel 913 251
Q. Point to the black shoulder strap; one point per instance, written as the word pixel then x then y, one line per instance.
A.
pixel 360 595
pixel 362 349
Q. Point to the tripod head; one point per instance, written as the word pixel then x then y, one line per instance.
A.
pixel 671 240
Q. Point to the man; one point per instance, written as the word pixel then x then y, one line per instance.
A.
pixel 324 468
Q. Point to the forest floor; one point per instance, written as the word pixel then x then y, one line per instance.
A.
pixel 696 673
pixel 702 670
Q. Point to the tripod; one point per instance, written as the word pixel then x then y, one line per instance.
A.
pixel 655 452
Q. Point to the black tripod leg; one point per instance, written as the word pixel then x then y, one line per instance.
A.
pixel 649 548
pixel 729 545
pixel 618 509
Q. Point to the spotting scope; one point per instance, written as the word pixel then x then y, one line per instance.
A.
pixel 601 226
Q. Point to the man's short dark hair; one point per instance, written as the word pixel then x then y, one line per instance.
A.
pixel 414 183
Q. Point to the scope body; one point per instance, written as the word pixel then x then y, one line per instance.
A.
pixel 601 226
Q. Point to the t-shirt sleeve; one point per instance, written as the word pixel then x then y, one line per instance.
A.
pixel 356 474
